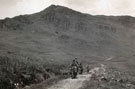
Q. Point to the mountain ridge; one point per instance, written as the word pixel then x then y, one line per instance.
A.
pixel 71 32
pixel 39 46
pixel 55 7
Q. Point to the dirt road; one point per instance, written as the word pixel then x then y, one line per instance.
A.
pixel 71 83
pixel 75 83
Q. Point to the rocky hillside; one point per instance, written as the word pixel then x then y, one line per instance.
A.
pixel 58 34
pixel 37 44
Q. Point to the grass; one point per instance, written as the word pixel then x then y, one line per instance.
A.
pixel 110 79
pixel 47 83
pixel 25 71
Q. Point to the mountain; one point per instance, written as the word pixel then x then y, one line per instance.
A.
pixel 59 34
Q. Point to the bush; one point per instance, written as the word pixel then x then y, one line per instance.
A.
pixel 25 71
pixel 113 79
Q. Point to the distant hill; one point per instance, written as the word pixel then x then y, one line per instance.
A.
pixel 59 34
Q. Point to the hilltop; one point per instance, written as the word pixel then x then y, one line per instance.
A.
pixel 56 35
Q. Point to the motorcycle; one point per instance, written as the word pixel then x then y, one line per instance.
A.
pixel 80 70
pixel 74 71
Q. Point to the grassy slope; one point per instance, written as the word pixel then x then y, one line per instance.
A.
pixel 58 34
pixel 112 78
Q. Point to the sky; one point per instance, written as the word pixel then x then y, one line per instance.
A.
pixel 11 8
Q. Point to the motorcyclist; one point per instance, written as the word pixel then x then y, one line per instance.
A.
pixel 80 68
pixel 74 68
pixel 75 63
pixel 88 68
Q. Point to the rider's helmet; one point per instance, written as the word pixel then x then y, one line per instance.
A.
pixel 74 61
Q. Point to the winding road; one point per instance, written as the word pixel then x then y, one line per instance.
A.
pixel 76 83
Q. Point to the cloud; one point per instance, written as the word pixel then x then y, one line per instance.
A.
pixel 8 2
pixel 7 7
pixel 107 7
pixel 10 8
